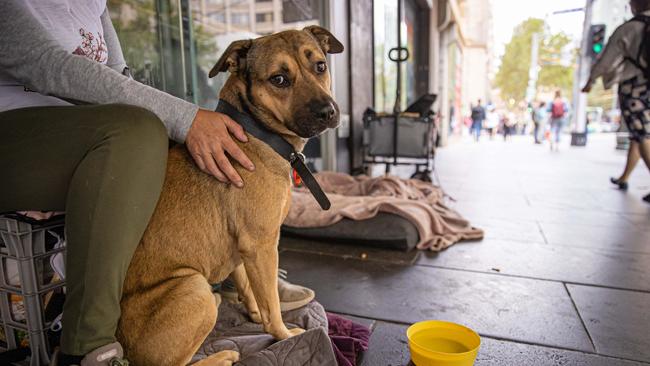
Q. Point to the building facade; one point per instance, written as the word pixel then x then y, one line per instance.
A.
pixel 464 61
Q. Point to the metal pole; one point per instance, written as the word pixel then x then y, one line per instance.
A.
pixel 584 65
pixel 182 45
pixel 533 72
pixel 398 97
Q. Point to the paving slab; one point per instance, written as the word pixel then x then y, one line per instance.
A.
pixel 617 320
pixel 640 221
pixel 550 262
pixel 581 217
pixel 527 231
pixel 482 194
pixel 347 251
pixel 623 201
pixel 625 237
pixel 389 346
pixel 523 309
pixel 503 353
pixel 479 210
pixel 564 199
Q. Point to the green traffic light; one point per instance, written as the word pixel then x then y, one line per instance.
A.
pixel 598 48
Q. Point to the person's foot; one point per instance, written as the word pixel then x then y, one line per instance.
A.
pixel 291 296
pixel 622 185
pixel 647 198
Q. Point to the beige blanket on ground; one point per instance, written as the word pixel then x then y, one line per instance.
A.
pixel 362 197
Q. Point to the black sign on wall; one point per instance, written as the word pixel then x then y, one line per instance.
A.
pixel 299 10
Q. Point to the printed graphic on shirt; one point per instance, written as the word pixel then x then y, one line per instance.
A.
pixel 92 47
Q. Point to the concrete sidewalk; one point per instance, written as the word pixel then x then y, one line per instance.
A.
pixel 561 278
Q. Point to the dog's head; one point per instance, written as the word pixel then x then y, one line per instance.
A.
pixel 284 80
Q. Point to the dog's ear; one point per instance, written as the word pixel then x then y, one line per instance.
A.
pixel 325 39
pixel 233 58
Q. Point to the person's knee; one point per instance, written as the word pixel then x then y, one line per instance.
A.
pixel 141 130
pixel 143 125
pixel 137 136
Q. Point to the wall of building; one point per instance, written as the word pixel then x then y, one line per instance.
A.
pixel 463 65
pixel 475 68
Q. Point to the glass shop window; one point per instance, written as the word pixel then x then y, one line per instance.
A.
pixel 263 17
pixel 242 19
pixel 217 17
pixel 151 34
pixel 172 44
pixel 385 38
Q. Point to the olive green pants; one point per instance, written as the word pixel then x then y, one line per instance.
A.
pixel 104 166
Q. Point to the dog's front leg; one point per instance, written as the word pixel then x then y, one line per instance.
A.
pixel 261 264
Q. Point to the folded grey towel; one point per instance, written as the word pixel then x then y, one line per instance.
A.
pixel 235 331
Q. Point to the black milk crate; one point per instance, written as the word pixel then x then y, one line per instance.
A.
pixel 28 282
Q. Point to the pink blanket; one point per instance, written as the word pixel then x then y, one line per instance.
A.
pixel 362 197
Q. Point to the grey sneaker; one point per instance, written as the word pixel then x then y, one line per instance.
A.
pixel 291 296
pixel 108 355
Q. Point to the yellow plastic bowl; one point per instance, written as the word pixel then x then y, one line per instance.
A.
pixel 439 343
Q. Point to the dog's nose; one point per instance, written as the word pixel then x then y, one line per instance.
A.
pixel 327 112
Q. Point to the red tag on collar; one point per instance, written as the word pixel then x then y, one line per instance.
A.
pixel 297 181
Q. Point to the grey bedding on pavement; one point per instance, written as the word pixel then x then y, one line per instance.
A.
pixel 235 331
pixel 385 230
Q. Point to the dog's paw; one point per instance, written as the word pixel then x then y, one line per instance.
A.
pixel 223 358
pixel 256 317
pixel 295 331
pixel 230 357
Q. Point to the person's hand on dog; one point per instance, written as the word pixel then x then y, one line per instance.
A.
pixel 208 141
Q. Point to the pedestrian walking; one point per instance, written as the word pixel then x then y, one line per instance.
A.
pixel 491 120
pixel 625 61
pixel 508 125
pixel 478 116
pixel 539 120
pixel 558 109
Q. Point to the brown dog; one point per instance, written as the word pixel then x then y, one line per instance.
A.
pixel 203 230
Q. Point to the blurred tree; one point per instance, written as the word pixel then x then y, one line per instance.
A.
pixel 555 72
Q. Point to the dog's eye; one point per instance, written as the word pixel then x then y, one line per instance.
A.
pixel 280 81
pixel 321 67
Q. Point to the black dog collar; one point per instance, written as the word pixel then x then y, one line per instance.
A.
pixel 281 146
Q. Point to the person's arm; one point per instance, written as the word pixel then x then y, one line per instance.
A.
pixel 611 58
pixel 115 55
pixel 30 56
